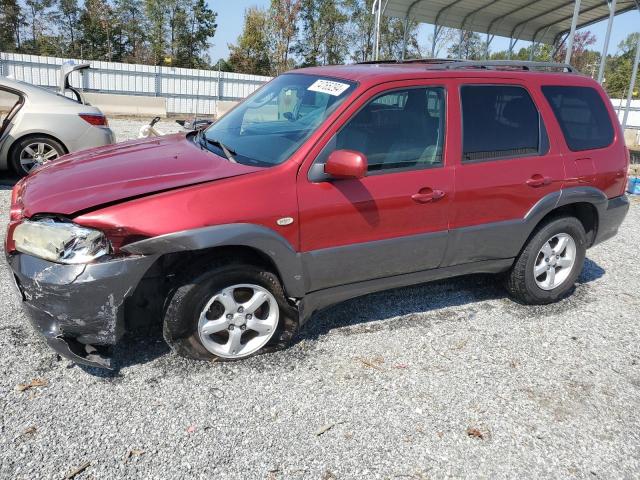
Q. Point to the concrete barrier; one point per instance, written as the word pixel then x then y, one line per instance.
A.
pixel 224 106
pixel 632 137
pixel 111 104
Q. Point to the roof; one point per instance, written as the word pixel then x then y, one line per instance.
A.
pixel 27 88
pixel 539 20
pixel 375 73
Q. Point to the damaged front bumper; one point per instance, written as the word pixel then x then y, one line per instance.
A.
pixel 79 309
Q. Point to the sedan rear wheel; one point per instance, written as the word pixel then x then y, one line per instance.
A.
pixel 33 152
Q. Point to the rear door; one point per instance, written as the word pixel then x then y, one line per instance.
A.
pixel 506 164
pixel 10 103
pixel 394 220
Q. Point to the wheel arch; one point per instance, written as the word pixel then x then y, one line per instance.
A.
pixel 584 203
pixel 14 143
pixel 249 242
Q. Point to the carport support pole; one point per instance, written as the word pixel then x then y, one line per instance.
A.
pixel 378 5
pixel 631 85
pixel 605 47
pixel 572 32
pixel 404 38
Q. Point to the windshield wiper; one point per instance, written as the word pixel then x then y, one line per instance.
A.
pixel 217 143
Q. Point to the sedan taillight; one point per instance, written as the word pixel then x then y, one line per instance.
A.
pixel 95 120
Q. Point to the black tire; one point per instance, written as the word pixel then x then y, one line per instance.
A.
pixel 521 282
pixel 18 148
pixel 180 328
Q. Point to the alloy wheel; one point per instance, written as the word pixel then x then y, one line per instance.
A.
pixel 238 321
pixel 555 261
pixel 35 154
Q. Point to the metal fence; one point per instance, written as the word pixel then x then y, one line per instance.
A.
pixel 633 120
pixel 185 90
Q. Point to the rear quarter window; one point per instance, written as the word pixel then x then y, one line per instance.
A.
pixel 582 116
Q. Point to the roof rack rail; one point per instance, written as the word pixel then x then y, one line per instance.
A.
pixel 523 65
pixel 452 63
pixel 411 60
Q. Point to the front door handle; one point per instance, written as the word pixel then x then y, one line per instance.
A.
pixel 426 195
pixel 538 180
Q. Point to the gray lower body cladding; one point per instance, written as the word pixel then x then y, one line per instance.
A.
pixel 78 308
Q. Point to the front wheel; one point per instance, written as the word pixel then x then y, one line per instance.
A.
pixel 547 268
pixel 230 312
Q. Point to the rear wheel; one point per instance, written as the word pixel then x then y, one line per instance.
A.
pixel 547 268
pixel 230 312
pixel 32 152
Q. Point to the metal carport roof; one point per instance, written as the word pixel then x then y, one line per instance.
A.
pixel 538 20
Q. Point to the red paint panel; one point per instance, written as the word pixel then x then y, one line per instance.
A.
pixel 499 190
pixel 102 175
pixel 376 207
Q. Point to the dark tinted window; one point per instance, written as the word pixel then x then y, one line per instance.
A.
pixel 499 122
pixel 400 129
pixel 582 116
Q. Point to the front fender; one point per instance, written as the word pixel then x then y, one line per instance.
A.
pixel 277 248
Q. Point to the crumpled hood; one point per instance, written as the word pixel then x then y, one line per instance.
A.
pixel 108 174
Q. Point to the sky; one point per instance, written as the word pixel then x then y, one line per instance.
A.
pixel 231 15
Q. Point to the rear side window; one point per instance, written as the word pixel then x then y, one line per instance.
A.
pixel 582 116
pixel 500 121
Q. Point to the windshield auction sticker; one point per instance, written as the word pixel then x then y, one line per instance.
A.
pixel 328 86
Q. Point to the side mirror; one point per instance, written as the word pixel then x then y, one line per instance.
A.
pixel 346 164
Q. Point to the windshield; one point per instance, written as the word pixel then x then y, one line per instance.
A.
pixel 272 124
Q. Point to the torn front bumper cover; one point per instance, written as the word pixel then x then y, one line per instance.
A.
pixel 79 309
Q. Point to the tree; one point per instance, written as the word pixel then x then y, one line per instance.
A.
pixel 619 68
pixel 579 58
pixel 39 19
pixel 11 21
pixel 251 54
pixel 97 28
pixel 201 29
pixel 69 19
pixel 361 29
pixel 133 26
pixel 324 37
pixel 468 47
pixel 283 18
pixel 392 39
pixel 157 14
pixel 441 38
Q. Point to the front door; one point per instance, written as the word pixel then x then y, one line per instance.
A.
pixel 395 219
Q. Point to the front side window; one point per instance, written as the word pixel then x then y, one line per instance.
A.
pixel 271 125
pixel 500 121
pixel 582 116
pixel 403 129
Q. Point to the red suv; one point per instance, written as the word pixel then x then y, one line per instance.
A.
pixel 326 184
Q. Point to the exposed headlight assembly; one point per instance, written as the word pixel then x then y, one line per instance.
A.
pixel 60 241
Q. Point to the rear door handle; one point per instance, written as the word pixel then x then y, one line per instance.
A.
pixel 538 180
pixel 426 195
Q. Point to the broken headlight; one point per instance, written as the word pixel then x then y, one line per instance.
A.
pixel 60 241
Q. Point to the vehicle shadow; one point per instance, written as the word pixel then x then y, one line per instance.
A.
pixel 7 180
pixel 136 348
pixel 419 299
pixel 146 344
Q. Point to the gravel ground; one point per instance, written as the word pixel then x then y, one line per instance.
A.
pixel 449 379
pixel 127 129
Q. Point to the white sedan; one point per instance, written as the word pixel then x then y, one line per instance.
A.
pixel 38 125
